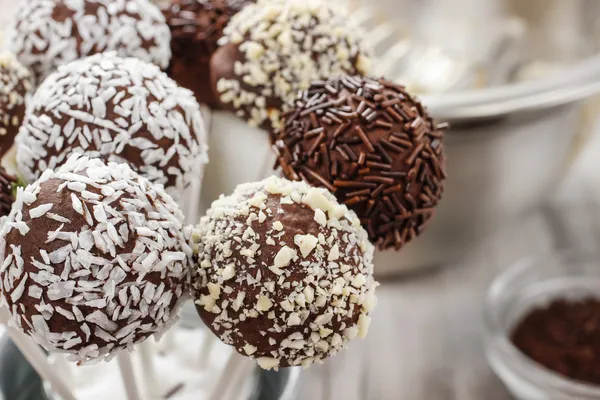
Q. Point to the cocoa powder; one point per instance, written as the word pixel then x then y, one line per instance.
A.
pixel 564 337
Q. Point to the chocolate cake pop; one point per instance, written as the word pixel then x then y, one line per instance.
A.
pixel 284 273
pixel 374 146
pixel 95 259
pixel 118 109
pixel 8 184
pixel 16 83
pixel 272 49
pixel 50 33
pixel 196 26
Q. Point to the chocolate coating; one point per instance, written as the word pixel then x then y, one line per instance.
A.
pixel 374 146
pixel 117 109
pixel 50 33
pixel 196 26
pixel 284 273
pixel 273 49
pixel 96 259
pixel 16 82
pixel 7 189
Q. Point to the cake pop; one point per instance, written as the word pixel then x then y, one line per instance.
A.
pixel 16 83
pixel 272 49
pixel 94 259
pixel 8 184
pixel 50 33
pixel 196 26
pixel 118 109
pixel 374 146
pixel 284 273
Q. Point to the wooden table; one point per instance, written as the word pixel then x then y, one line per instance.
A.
pixel 426 337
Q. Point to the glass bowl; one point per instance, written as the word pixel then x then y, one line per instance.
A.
pixel 532 283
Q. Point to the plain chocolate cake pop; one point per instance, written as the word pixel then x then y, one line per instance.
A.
pixel 272 49
pixel 50 33
pixel 94 259
pixel 374 146
pixel 16 83
pixel 117 109
pixel 196 26
pixel 284 273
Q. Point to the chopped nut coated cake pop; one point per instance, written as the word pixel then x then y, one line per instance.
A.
pixel 16 83
pixel 50 33
pixel 374 146
pixel 196 26
pixel 117 109
pixel 284 273
pixel 94 259
pixel 274 48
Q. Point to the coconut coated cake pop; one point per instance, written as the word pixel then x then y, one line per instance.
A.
pixel 8 185
pixel 16 83
pixel 196 26
pixel 272 49
pixel 284 273
pixel 50 33
pixel 374 146
pixel 94 259
pixel 117 109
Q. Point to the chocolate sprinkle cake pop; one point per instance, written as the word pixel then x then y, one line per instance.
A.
pixel 275 48
pixel 196 26
pixel 284 273
pixel 50 33
pixel 118 109
pixel 16 83
pixel 374 146
pixel 95 259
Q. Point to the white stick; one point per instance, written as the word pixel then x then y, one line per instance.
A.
pixel 206 347
pixel 238 382
pixel 238 154
pixel 168 341
pixel 128 376
pixel 192 214
pixel 36 358
pixel 149 375
pixel 192 210
pixel 60 363
pixel 232 370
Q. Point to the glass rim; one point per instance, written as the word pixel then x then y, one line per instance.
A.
pixel 498 339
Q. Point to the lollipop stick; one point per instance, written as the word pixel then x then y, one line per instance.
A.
pixel 207 115
pixel 36 358
pixel 60 363
pixel 206 347
pixel 128 376
pixel 193 203
pixel 192 209
pixel 227 377
pixel 237 382
pixel 149 376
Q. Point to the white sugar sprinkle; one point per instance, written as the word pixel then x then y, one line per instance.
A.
pixel 40 210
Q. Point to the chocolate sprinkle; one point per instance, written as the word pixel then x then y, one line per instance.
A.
pixel 385 153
